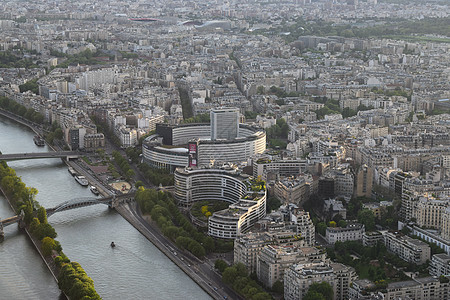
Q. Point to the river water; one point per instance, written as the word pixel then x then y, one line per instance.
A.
pixel 134 269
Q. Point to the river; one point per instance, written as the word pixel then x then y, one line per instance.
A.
pixel 134 269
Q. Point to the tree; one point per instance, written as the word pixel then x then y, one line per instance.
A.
pixel 48 244
pixel 321 228
pixel 316 290
pixel 58 133
pixel 220 265
pixel 42 215
pixel 342 223
pixel 229 275
pixel 44 230
pixel 348 112
pixel 311 295
pixel 34 224
pixel 367 218
pixel 278 287
pixel 138 184
pixel 241 269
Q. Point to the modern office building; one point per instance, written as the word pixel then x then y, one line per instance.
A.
pixel 238 217
pixel 247 196
pixel 191 145
pixel 224 123
pixel 192 184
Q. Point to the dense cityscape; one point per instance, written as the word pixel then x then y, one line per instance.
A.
pixel 293 149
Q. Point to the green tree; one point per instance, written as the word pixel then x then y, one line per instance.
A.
pixel 321 228
pixel 42 215
pixel 48 244
pixel 342 223
pixel 220 265
pixel 34 225
pixel 367 218
pixel 278 287
pixel 324 289
pixel 44 230
pixel 138 184
pixel 58 133
pixel 229 275
pixel 312 295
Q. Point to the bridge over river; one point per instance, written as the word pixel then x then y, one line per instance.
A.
pixel 112 201
pixel 35 155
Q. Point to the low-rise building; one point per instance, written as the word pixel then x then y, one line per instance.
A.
pixel 371 238
pixel 353 232
pixel 425 288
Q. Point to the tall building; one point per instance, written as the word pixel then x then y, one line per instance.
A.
pixel 363 182
pixel 224 123
pixel 304 226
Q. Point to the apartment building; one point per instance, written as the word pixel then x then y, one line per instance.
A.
pixel 408 249
pixel 353 232
pixel 299 277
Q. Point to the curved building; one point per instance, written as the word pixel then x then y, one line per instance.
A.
pixel 246 195
pixel 193 185
pixel 238 217
pixel 168 148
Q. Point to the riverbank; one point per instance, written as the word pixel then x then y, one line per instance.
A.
pixel 50 264
pixel 21 120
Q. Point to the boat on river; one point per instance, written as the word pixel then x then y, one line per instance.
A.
pixel 113 245
pixel 38 140
pixel 72 171
pixel 81 180
pixel 94 190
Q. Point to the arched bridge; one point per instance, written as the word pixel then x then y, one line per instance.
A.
pixel 56 154
pixel 111 201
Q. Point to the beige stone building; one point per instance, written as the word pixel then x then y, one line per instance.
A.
pixel 274 259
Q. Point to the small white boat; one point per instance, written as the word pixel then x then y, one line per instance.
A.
pixel 94 190
pixel 82 180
